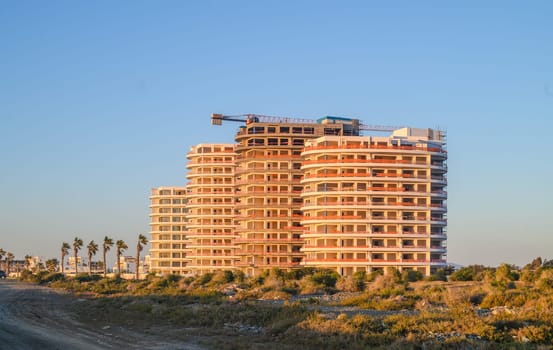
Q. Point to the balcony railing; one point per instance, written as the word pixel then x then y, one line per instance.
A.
pixel 269 240
pixel 395 148
pixel 271 264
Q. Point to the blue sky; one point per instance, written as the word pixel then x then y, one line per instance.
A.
pixel 100 101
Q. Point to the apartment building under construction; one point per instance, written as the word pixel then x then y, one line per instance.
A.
pixel 295 192
pixel 211 204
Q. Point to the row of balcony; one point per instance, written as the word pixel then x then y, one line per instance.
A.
pixel 314 234
pixel 306 248
pixel 409 248
pixel 308 261
pixel 380 176
pixel 311 206
pixel 371 161
pixel 371 218
pixel 420 149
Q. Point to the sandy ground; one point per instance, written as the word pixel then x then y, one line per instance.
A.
pixel 34 317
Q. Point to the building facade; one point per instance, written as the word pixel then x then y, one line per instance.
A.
pixel 211 216
pixel 373 202
pixel 292 193
pixel 268 189
pixel 167 230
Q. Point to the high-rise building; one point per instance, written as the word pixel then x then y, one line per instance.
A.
pixel 268 188
pixel 295 192
pixel 211 233
pixel 372 202
pixel 167 230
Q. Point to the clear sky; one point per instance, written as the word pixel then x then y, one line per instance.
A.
pixel 101 100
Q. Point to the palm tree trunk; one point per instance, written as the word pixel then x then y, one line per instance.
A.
pixel 137 263
pixel 118 264
pixel 105 263
pixel 62 258
pixel 89 264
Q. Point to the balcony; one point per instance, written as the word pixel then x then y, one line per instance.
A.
pixel 418 149
pixel 272 264
pixel 306 248
pixel 264 253
pixel 298 241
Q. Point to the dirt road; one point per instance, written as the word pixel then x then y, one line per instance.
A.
pixel 34 317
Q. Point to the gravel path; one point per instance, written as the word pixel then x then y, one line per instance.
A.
pixel 34 317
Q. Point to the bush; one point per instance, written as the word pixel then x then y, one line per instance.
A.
pixel 325 277
pixel 463 274
pixel 84 277
pixel 439 275
pixel 545 280
pixel 50 277
pixel 355 283
pixel 222 277
pixel 300 273
pixel 26 275
pixel 411 275
pixel 204 279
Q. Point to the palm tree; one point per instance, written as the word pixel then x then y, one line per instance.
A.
pixel 9 258
pixel 2 254
pixel 142 241
pixel 77 244
pixel 28 261
pixel 120 247
pixel 108 243
pixel 51 265
pixel 64 252
pixel 92 248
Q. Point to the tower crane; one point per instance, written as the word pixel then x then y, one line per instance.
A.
pixel 217 119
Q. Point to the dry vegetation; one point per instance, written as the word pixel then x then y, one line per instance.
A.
pixel 483 308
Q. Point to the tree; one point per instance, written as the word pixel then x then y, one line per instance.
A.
pixel 9 259
pixel 108 243
pixel 120 247
pixel 505 274
pixel 92 249
pixel 28 261
pixel 535 264
pixel 77 245
pixel 2 254
pixel 64 252
pixel 142 241
pixel 51 265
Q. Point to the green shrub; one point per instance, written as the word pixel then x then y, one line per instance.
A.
pixel 85 277
pixel 50 277
pixel 222 277
pixel 204 278
pixel 411 275
pixel 534 334
pixel 439 275
pixel 470 273
pixel 26 275
pixel 350 284
pixel 298 274
pixel 325 277
pixel 463 274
